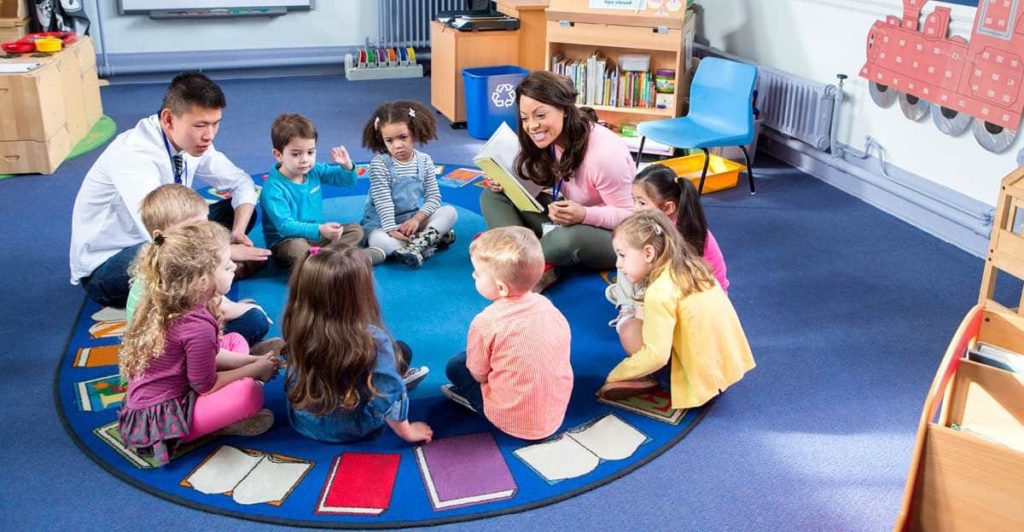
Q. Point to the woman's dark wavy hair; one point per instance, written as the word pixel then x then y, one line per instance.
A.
pixel 332 353
pixel 660 182
pixel 539 165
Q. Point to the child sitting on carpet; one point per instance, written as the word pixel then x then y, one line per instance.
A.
pixel 245 323
pixel 292 199
pixel 176 393
pixel 344 379
pixel 403 214
pixel 515 369
pixel 689 339
pixel 656 187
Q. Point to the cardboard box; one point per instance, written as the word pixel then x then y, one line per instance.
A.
pixel 14 9
pixel 91 97
pixel 31 156
pixel 32 104
pixel 12 29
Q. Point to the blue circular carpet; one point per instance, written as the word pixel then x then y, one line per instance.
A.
pixel 470 471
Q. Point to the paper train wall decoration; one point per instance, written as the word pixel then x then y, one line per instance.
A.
pixel 382 63
pixel 963 84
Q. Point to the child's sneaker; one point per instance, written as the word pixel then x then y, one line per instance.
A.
pixel 627 389
pixel 269 346
pixel 611 293
pixel 409 256
pixel 625 313
pixel 376 255
pixel 447 240
pixel 547 279
pixel 253 425
pixel 414 376
pixel 448 390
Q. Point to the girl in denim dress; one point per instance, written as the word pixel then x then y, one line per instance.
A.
pixel 403 215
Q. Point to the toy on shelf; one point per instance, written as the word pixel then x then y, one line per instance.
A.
pixel 47 41
pixel 382 63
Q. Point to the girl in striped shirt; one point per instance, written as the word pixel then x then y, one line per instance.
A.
pixel 403 214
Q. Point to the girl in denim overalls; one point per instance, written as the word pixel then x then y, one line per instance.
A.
pixel 404 216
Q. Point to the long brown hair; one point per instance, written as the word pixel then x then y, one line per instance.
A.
pixel 332 353
pixel 539 165
pixel 650 227
pixel 176 270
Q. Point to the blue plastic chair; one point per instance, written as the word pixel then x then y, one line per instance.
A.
pixel 721 114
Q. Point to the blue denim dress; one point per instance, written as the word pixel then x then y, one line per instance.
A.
pixel 369 417
pixel 407 194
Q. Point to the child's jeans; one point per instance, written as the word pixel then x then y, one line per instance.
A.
pixel 253 326
pixel 232 403
pixel 465 384
pixel 290 250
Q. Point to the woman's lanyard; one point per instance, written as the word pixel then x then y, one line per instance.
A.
pixel 179 173
pixel 557 189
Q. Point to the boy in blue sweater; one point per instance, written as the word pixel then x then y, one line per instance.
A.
pixel 292 201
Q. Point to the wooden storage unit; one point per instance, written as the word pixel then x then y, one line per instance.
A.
pixel 973 478
pixel 451 51
pixel 532 30
pixel 576 30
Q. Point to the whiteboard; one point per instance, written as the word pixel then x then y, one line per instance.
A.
pixel 143 6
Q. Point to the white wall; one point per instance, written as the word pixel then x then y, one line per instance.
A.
pixel 331 23
pixel 818 38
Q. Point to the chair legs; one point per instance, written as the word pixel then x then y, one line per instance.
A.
pixel 750 170
pixel 704 172
pixel 640 151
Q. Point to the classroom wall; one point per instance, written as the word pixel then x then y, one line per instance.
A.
pixel 818 38
pixel 332 23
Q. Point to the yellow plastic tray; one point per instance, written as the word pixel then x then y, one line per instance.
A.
pixel 722 173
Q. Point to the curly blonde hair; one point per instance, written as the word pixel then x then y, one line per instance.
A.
pixel 650 227
pixel 176 270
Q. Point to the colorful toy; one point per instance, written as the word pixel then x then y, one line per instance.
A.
pixel 382 63
pixel 980 78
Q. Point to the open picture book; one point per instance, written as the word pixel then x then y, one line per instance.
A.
pixel 497 160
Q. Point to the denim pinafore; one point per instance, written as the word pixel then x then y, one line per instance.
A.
pixel 407 193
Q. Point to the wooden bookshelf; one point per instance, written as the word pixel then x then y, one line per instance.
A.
pixel 577 31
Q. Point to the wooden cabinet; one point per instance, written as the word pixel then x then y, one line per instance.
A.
pixel 451 51
pixel 577 31
pixel 532 30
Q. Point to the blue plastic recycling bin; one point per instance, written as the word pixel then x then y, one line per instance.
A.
pixel 491 98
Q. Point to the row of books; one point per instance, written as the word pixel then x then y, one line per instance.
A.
pixel 599 82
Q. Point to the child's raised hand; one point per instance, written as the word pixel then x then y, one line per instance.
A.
pixel 331 230
pixel 340 155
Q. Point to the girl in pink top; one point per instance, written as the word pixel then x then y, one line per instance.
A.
pixel 587 168
pixel 178 387
pixel 657 187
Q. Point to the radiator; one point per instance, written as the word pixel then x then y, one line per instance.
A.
pixel 407 22
pixel 794 106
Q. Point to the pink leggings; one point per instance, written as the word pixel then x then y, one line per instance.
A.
pixel 234 402
pixel 234 342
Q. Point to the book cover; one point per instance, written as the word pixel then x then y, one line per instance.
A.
pixel 997 357
pixel 100 393
pixel 497 159
pixel 92 357
pixel 464 470
pixel 108 329
pixel 459 177
pixel 655 405
pixel 248 476
pixel 580 450
pixel 109 435
pixel 359 484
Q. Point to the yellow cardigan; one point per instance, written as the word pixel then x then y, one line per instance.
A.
pixel 701 333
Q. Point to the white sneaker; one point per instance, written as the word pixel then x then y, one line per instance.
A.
pixel 448 390
pixel 414 376
pixel 376 255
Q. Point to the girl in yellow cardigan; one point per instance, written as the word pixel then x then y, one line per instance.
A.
pixel 690 341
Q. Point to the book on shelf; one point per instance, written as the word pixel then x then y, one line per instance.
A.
pixel 497 159
pixel 997 357
pixel 599 82
pixel 359 484
pixel 464 470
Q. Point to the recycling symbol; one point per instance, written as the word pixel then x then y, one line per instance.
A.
pixel 504 95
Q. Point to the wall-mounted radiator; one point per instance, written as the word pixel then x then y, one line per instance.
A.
pixel 795 106
pixel 407 22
